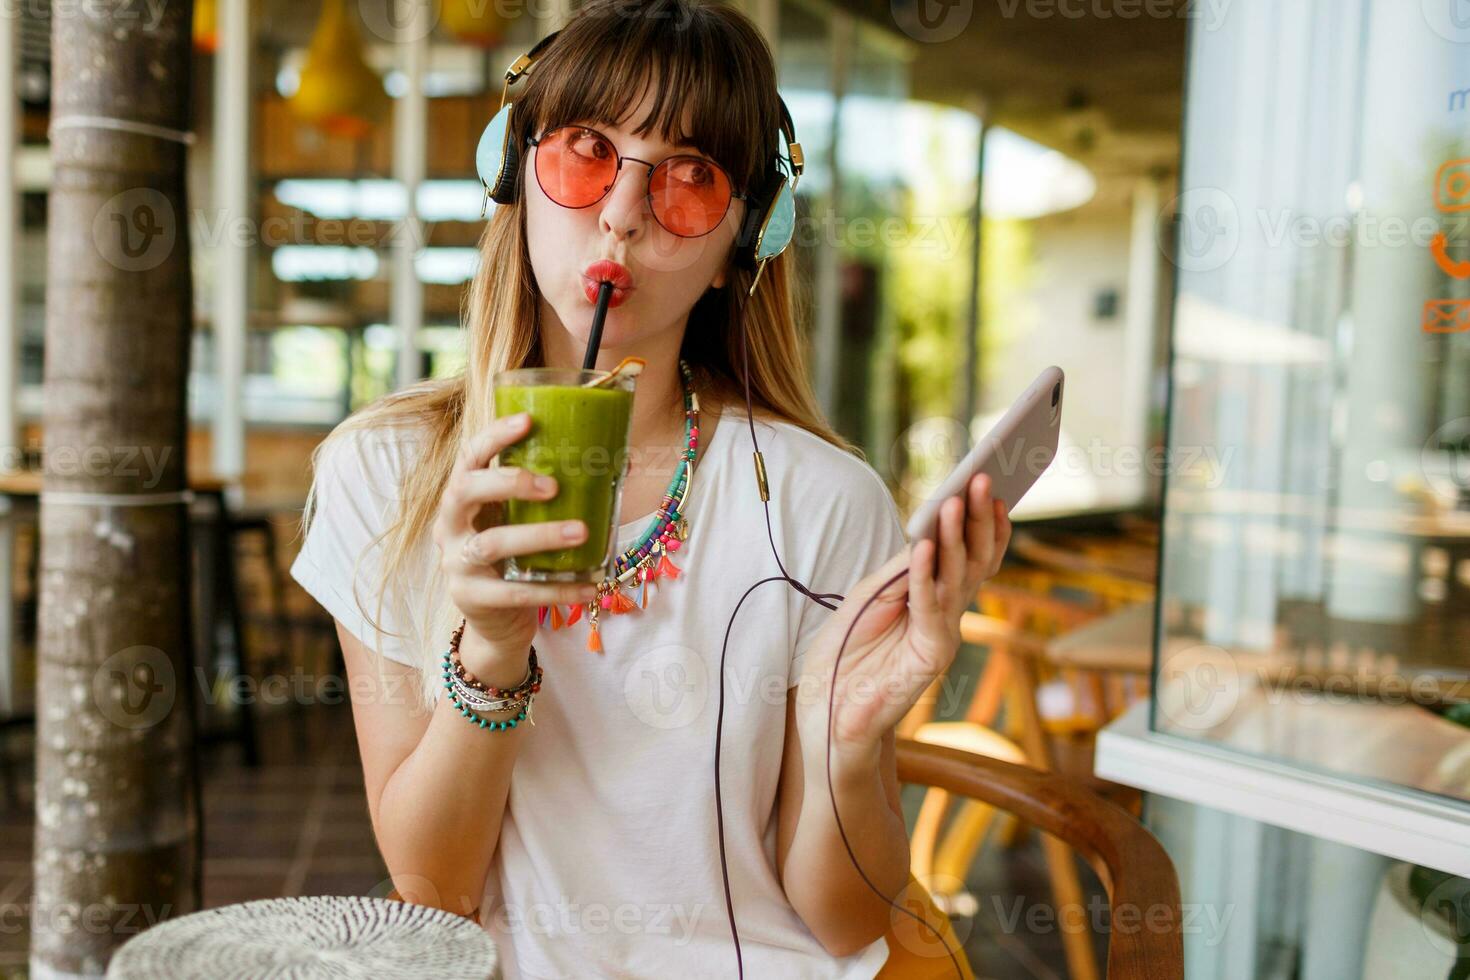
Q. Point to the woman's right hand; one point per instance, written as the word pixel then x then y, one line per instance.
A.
pixel 501 615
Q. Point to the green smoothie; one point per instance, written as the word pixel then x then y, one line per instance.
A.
pixel 578 435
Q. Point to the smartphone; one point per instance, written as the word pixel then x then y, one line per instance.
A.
pixel 1014 453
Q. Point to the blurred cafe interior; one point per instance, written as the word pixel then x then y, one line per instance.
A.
pixel 1235 610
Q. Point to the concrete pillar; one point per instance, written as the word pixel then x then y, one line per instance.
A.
pixel 231 309
pixel 410 135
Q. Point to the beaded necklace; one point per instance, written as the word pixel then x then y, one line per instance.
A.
pixel 647 560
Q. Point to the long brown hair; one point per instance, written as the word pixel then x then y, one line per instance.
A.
pixel 710 68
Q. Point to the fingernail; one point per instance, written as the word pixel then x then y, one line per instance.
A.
pixel 519 419
pixel 572 530
pixel 545 484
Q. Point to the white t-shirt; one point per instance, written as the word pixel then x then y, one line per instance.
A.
pixel 608 860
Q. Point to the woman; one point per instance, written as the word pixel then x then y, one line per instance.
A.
pixel 588 842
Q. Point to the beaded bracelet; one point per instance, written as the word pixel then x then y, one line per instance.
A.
pixel 466 704
pixel 469 696
pixel 528 685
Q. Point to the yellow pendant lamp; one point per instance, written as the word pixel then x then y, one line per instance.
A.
pixel 206 26
pixel 473 21
pixel 339 92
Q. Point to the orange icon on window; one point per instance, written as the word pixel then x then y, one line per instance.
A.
pixel 1452 186
pixel 1439 248
pixel 1447 316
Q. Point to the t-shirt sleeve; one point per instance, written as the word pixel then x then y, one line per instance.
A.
pixel 341 558
pixel 860 532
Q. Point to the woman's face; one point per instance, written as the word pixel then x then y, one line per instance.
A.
pixel 669 273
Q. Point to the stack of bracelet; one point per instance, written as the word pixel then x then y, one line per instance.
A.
pixel 470 696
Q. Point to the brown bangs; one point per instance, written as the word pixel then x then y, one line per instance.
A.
pixel 714 85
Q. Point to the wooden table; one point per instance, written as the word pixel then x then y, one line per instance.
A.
pixel 338 936
pixel 1121 641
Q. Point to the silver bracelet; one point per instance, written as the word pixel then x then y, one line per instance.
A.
pixel 478 701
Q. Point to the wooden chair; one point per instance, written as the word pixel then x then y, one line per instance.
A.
pixel 1133 866
pixel 1018 658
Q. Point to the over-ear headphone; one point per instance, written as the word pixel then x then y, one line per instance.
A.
pixel 770 219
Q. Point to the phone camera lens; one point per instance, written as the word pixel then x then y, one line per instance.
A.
pixel 1056 395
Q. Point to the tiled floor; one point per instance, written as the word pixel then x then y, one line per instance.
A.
pixel 298 825
pixel 289 827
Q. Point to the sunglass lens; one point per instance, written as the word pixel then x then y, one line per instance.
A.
pixel 689 195
pixel 575 166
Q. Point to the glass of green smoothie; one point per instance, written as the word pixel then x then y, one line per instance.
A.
pixel 579 436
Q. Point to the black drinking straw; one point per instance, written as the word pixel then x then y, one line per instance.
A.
pixel 604 294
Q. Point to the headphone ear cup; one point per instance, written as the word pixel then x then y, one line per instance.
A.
pixel 498 157
pixel 755 216
pixel 779 226
pixel 750 227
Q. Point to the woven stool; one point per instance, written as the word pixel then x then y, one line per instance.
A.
pixel 339 936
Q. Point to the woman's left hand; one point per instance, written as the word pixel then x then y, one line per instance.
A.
pixel 907 637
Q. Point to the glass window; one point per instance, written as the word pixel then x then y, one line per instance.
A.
pixel 1316 568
